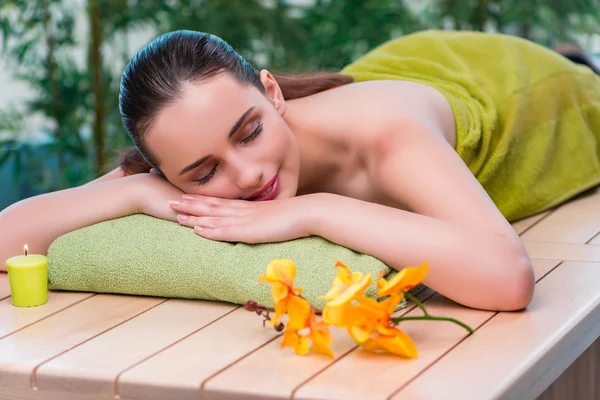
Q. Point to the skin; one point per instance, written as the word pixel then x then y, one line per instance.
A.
pixel 346 159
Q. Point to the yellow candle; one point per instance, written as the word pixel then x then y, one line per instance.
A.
pixel 28 277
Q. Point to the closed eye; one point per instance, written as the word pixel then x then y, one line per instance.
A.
pixel 257 131
pixel 208 177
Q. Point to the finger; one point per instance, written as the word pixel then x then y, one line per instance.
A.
pixel 232 233
pixel 218 200
pixel 206 222
pixel 199 208
pixel 215 222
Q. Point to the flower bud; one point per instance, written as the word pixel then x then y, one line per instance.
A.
pixel 251 305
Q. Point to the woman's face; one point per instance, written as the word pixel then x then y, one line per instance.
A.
pixel 224 139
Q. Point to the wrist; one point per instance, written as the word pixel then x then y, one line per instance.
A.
pixel 318 207
pixel 134 186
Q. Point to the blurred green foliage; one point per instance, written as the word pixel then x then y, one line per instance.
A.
pixel 80 99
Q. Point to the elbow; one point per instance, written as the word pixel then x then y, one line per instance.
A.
pixel 519 280
pixel 523 287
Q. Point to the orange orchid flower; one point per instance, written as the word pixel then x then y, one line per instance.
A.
pixel 304 325
pixel 280 274
pixel 392 340
pixel 369 322
pixel 371 327
pixel 347 286
pixel 403 281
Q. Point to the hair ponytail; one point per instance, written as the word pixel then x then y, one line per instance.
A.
pixel 132 162
pixel 307 84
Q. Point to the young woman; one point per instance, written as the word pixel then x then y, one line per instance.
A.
pixel 423 149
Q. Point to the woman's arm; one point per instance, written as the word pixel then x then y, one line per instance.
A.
pixel 474 267
pixel 39 220
pixel 475 256
pixel 114 174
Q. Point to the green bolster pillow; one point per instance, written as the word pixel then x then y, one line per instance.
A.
pixel 142 255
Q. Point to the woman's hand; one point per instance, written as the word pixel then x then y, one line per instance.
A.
pixel 247 221
pixel 153 194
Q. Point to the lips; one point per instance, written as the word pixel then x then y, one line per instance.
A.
pixel 267 192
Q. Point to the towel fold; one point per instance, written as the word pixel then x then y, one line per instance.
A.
pixel 142 255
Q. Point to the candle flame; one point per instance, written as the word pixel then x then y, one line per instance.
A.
pixel 26 249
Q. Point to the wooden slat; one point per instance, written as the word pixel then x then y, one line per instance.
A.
pixel 14 318
pixel 526 223
pixel 518 355
pixel 563 251
pixel 4 285
pixel 273 372
pixel 287 369
pixel 377 376
pixel 280 370
pixel 178 372
pixel 173 373
pixel 22 351
pixel 86 369
pixel 363 374
pixel 11 393
pixel 595 240
pixel 541 267
pixel 574 222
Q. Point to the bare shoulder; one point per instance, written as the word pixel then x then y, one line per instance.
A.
pixel 411 162
pixel 376 121
pixel 379 109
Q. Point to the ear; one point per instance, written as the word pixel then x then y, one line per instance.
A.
pixel 273 91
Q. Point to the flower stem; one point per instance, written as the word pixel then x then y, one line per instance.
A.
pixel 430 317
pixel 427 316
pixel 416 301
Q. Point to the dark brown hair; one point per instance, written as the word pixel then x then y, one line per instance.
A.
pixel 156 75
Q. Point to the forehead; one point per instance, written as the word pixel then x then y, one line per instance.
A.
pixel 202 115
pixel 216 99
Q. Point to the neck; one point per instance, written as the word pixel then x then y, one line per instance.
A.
pixel 322 150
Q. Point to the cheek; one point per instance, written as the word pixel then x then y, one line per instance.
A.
pixel 288 151
pixel 278 142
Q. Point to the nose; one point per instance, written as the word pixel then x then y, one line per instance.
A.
pixel 248 174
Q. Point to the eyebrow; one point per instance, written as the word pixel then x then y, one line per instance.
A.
pixel 233 130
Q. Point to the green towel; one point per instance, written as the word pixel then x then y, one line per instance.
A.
pixel 527 119
pixel 142 255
